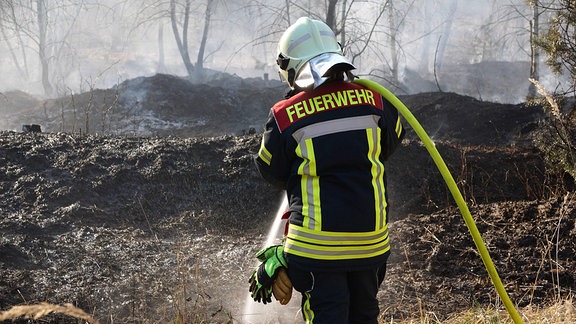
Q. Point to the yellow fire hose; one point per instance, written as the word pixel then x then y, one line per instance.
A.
pixel 484 254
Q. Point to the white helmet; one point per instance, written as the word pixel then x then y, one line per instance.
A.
pixel 303 41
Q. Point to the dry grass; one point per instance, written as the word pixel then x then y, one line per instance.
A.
pixel 44 309
pixel 561 312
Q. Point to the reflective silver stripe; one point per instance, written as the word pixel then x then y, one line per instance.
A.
pixel 341 238
pixel 297 42
pixel 308 242
pixel 307 170
pixel 264 154
pixel 335 126
pixel 338 254
pixel 305 150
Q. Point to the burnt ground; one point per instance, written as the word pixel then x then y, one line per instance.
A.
pixel 141 204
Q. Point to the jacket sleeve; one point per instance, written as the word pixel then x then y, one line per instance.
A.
pixel 271 161
pixel 392 130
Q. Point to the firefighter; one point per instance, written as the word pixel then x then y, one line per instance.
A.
pixel 325 144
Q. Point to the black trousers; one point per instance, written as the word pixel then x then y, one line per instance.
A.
pixel 339 297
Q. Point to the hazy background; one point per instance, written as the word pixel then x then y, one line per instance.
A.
pixel 409 45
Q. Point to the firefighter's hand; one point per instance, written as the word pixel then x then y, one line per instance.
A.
pixel 282 288
pixel 258 292
pixel 262 279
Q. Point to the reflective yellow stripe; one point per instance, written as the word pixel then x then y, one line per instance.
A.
pixel 264 154
pixel 310 185
pixel 336 245
pixel 317 223
pixel 309 240
pixel 308 312
pixel 336 252
pixel 374 149
pixel 398 127
pixel 336 238
pixel 310 182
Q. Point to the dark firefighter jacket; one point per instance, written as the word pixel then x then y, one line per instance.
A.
pixel 326 148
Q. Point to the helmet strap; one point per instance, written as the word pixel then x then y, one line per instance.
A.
pixel 350 75
pixel 291 76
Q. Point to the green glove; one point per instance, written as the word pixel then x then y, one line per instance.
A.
pixel 264 275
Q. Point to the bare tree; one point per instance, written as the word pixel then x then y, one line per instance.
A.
pixel 360 36
pixel 534 50
pixel 445 36
pixel 182 41
pixel 331 14
pixel 161 68
pixel 42 47
pixel 202 49
pixel 8 14
pixel 521 22
pixel 45 26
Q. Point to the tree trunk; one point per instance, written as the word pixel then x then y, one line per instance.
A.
pixel 161 68
pixel 13 54
pixel 331 15
pixel 424 64
pixel 446 34
pixel 42 25
pixel 289 21
pixel 182 43
pixel 534 51
pixel 202 49
pixel 393 53
pixel 343 27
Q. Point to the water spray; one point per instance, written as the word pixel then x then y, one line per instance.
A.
pixel 484 254
pixel 273 312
